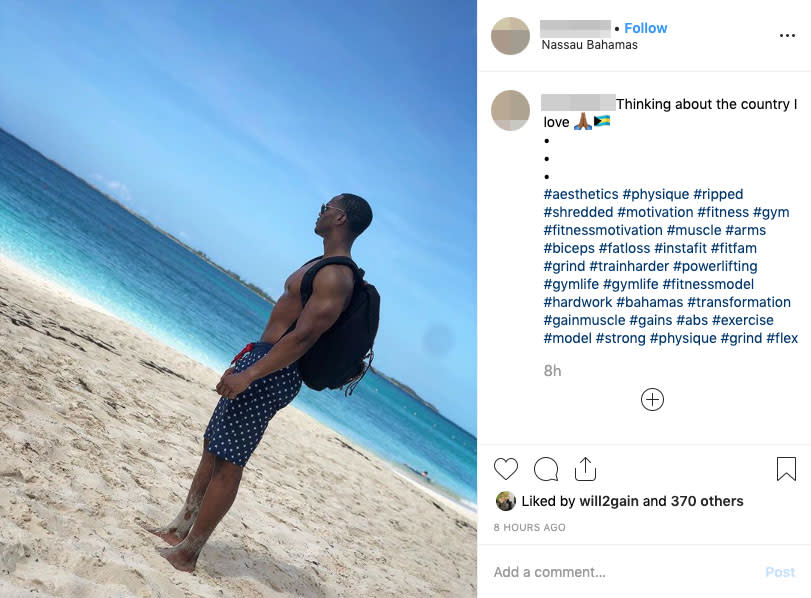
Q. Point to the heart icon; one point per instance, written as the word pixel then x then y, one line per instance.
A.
pixel 506 467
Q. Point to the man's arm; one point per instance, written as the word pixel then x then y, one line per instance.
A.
pixel 330 290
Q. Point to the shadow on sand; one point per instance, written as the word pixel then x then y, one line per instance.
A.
pixel 225 559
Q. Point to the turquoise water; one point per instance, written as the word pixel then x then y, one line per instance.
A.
pixel 59 226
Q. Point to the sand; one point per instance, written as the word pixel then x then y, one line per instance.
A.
pixel 101 425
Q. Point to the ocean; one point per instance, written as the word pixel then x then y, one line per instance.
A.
pixel 60 227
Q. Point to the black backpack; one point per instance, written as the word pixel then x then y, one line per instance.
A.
pixel 337 358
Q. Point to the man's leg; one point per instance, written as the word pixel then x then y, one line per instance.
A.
pixel 219 496
pixel 180 526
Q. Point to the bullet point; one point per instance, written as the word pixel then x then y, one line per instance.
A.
pixel 616 28
pixel 546 159
pixel 546 176
pixel 546 141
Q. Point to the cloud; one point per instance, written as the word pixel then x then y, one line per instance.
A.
pixel 117 188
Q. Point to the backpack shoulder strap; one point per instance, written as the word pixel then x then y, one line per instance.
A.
pixel 312 260
pixel 307 281
pixel 309 276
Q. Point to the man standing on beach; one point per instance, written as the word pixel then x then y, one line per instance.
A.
pixel 264 379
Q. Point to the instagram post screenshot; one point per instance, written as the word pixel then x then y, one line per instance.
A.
pixel 643 302
pixel 404 299
pixel 238 299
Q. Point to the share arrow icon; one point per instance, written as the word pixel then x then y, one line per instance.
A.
pixel 585 474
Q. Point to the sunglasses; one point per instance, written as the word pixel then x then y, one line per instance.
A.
pixel 325 207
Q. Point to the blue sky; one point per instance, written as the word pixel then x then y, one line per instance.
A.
pixel 228 124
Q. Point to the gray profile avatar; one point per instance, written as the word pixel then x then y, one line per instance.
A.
pixel 510 110
pixel 510 35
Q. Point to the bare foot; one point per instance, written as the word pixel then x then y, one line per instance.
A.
pixel 180 559
pixel 170 535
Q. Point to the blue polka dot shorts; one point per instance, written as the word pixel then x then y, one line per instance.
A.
pixel 237 425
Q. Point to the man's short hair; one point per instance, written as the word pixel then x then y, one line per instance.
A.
pixel 358 212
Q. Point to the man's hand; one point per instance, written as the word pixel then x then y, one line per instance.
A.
pixel 227 372
pixel 232 385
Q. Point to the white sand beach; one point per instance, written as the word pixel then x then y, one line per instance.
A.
pixel 101 425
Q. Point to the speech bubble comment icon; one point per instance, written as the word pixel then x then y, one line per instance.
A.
pixel 546 469
pixel 506 467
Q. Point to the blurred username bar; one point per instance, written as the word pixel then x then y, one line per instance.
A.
pixel 603 102
pixel 590 29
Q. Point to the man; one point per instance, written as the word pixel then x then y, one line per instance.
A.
pixel 264 379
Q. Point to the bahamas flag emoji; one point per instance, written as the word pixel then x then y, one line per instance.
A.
pixel 602 121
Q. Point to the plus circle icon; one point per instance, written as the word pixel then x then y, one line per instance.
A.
pixel 653 399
